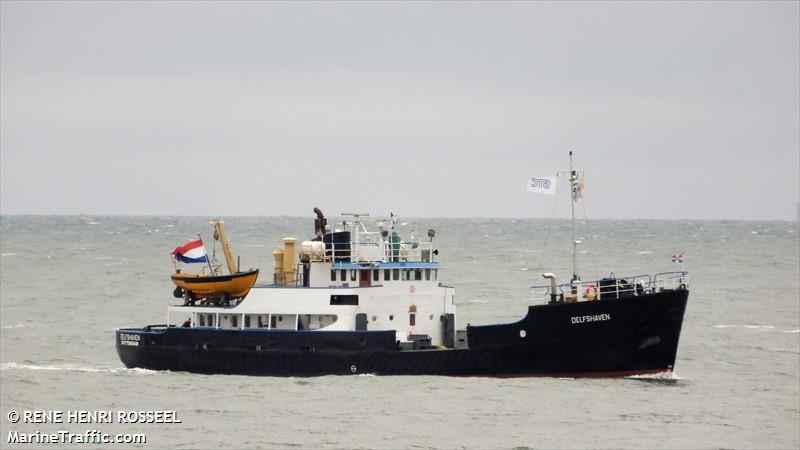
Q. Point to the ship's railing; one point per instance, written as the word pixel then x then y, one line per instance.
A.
pixel 611 287
pixel 298 280
pixel 370 250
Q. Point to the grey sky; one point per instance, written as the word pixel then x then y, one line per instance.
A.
pixel 674 110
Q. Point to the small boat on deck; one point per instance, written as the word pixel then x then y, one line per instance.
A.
pixel 211 286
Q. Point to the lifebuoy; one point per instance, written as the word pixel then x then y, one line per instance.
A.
pixel 412 288
pixel 590 292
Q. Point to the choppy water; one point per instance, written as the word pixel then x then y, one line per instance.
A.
pixel 67 282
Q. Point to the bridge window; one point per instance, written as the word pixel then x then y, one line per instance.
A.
pixel 395 274
pixel 343 275
pixel 387 274
pixel 333 275
pixel 247 321
pixel 418 274
pixel 353 275
pixel 344 299
pixel 376 275
pixel 428 274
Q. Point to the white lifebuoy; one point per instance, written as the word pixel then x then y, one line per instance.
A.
pixel 590 292
pixel 412 289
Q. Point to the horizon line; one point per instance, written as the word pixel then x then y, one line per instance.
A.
pixel 410 216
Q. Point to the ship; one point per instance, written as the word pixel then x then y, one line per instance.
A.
pixel 357 298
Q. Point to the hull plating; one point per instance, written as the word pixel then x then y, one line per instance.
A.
pixel 636 335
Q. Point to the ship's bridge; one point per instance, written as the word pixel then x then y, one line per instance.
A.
pixel 350 255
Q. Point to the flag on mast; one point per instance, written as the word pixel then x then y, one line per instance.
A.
pixel 191 252
pixel 542 185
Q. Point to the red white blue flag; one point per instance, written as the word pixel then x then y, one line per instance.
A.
pixel 191 252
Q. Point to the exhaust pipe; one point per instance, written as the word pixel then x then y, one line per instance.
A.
pixel 552 278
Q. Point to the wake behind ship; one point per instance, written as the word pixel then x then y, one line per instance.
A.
pixel 354 301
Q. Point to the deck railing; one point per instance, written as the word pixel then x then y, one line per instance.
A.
pixel 611 287
pixel 371 250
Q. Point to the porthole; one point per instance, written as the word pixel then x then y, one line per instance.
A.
pixel 430 317
pixel 391 316
pixel 374 318
pixel 280 318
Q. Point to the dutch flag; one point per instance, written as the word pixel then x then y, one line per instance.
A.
pixel 191 252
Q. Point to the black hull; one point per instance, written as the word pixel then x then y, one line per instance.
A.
pixel 620 337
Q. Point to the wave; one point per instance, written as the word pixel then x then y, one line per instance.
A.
pixel 666 377
pixel 659 375
pixel 73 368
pixel 19 325
pixel 756 327
pixel 749 327
pixel 9 254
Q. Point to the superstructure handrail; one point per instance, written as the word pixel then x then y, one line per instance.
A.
pixel 612 287
pixel 382 251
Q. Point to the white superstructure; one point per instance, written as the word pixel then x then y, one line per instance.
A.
pixel 347 278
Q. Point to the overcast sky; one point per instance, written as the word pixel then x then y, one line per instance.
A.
pixel 673 110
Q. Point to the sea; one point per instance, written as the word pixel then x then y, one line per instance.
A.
pixel 67 282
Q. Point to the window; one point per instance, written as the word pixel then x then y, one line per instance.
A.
pixel 405 274
pixel 333 275
pixel 344 299
pixel 395 274
pixel 376 275
pixel 428 274
pixel 202 319
pixel 247 321
pixel 343 275
pixel 353 275
pixel 387 274
pixel 316 321
pixel 235 321
pixel 418 274
pixel 412 319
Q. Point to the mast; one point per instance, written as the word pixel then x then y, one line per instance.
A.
pixel 573 181
pixel 219 233
pixel 208 261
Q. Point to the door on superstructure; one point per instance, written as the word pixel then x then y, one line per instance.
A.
pixel 364 278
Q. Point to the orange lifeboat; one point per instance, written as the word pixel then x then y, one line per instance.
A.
pixel 197 286
pixel 215 286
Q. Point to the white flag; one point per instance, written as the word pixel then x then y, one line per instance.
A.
pixel 542 185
